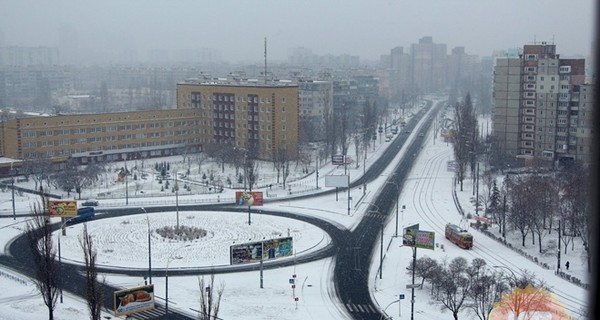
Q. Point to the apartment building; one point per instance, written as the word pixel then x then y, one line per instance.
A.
pixel 542 105
pixel 244 114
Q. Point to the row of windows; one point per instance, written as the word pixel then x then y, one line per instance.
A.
pixel 59 132
pixel 225 107
pixel 230 98
pixel 64 142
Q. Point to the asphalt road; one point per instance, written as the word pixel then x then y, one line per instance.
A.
pixel 353 251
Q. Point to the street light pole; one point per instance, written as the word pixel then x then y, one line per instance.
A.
pixel 167 277
pixel 62 226
pixel 177 200
pixel 149 247
pixel 12 173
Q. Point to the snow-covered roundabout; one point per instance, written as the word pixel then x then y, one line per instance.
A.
pixel 122 242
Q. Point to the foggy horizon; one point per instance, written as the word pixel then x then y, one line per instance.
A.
pixel 107 31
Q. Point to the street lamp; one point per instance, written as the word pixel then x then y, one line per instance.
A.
pixel 62 230
pixel 167 276
pixel 176 187
pixel 149 246
pixel 381 318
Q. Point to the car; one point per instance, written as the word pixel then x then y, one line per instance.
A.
pixel 388 139
pixel 421 134
pixel 90 203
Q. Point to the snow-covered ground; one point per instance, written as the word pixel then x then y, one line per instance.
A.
pixel 427 196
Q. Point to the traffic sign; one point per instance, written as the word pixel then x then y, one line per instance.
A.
pixel 412 286
pixel 402 296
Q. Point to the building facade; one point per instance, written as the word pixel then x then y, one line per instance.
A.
pixel 245 114
pixel 101 137
pixel 542 105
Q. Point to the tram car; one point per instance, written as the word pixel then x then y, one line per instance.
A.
pixel 459 236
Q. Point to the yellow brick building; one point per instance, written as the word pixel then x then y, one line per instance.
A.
pixel 245 116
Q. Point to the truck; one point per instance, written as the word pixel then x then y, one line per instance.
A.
pixel 83 214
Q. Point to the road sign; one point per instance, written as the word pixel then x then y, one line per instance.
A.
pixel 412 286
pixel 402 296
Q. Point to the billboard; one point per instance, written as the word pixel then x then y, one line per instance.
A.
pixel 62 208
pixel 338 159
pixel 275 248
pixel 337 181
pixel 409 235
pixel 425 239
pixel 261 250
pixel 128 301
pixel 254 198
pixel 245 252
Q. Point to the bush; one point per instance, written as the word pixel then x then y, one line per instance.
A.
pixel 183 233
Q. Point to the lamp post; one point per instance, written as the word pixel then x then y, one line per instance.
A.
pixel 176 187
pixel 149 247
pixel 12 173
pixel 391 303
pixel 167 276
pixel 62 230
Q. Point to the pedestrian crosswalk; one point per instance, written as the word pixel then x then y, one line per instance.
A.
pixel 360 308
pixel 158 313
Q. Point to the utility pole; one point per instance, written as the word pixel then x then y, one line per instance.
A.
pixel 558 262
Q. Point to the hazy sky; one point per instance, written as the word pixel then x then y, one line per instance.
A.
pixel 237 28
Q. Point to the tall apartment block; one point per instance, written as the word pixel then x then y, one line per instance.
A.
pixel 542 106
pixel 246 115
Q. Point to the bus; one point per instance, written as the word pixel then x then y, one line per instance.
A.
pixel 459 236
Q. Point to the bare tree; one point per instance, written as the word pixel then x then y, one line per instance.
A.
pixel 520 194
pixel 251 168
pixel 95 289
pixel 209 304
pixel 454 286
pixel 39 234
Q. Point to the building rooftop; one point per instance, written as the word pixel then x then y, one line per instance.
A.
pixel 245 82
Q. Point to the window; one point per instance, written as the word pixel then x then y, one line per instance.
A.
pixel 564 69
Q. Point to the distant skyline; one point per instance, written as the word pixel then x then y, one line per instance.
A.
pixel 106 30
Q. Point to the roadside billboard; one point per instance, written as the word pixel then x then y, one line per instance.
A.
pixel 338 159
pixel 254 198
pixel 128 301
pixel 409 235
pixel 62 208
pixel 245 252
pixel 425 239
pixel 275 248
pixel 337 181
pixel 265 250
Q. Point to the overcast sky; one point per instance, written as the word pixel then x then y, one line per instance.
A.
pixel 236 28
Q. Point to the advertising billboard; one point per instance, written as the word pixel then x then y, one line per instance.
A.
pixel 254 198
pixel 275 248
pixel 128 301
pixel 337 181
pixel 409 235
pixel 62 208
pixel 425 239
pixel 338 159
pixel 265 250
pixel 245 252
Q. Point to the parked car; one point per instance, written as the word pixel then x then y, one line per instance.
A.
pixel 90 203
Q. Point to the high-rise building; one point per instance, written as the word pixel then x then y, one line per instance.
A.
pixel 542 105
pixel 429 61
pixel 245 114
